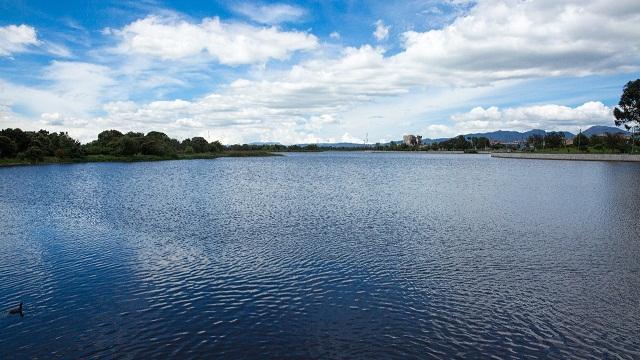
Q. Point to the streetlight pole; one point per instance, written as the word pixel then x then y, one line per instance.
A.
pixel 579 136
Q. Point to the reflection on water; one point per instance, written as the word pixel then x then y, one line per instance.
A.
pixel 330 255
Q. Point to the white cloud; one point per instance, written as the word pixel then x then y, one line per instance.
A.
pixel 382 31
pixel 435 131
pixel 71 94
pixel 503 39
pixel 187 123
pixel 56 120
pixel 57 50
pixel 471 51
pixel 15 39
pixel 19 38
pixel 80 82
pixel 493 43
pixel 547 117
pixel 52 118
pixel 461 2
pixel 9 119
pixel 335 35
pixel 271 13
pixel 318 122
pixel 228 43
pixel 6 116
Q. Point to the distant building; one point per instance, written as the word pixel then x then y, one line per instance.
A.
pixel 412 140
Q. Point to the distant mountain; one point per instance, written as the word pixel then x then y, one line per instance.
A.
pixel 512 136
pixel 503 136
pixel 600 130
pixel 506 136
pixel 341 145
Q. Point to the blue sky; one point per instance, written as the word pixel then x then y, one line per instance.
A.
pixel 314 71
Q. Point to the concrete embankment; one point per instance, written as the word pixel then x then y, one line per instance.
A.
pixel 572 157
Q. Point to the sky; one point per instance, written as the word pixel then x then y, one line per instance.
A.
pixel 314 71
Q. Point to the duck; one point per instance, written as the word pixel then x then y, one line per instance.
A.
pixel 16 310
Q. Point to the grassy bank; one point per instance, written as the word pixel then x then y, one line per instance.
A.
pixel 574 150
pixel 568 156
pixel 133 158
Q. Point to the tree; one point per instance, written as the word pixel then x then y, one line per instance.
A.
pixel 456 143
pixel 69 146
pixel 484 143
pixel 155 146
pixel 614 142
pixel 199 145
pixel 536 141
pixel 216 146
pixel 21 138
pixel 125 145
pixel 474 142
pixel 627 112
pixel 8 147
pixel 157 135
pixel 581 141
pixel 42 141
pixel 107 136
pixel 34 154
pixel 554 139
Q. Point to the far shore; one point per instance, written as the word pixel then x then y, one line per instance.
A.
pixel 50 160
pixel 571 157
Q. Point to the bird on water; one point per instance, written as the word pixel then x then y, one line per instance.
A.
pixel 16 310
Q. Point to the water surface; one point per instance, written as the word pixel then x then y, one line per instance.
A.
pixel 329 255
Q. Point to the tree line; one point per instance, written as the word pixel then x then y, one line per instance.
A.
pixel 36 145
pixel 608 141
pixel 458 143
pixel 115 143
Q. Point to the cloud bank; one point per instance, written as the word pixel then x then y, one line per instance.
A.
pixel 307 97
pixel 547 117
pixel 270 13
pixel 227 43
pixel 16 38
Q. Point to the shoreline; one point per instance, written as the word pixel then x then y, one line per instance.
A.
pixel 137 158
pixel 569 157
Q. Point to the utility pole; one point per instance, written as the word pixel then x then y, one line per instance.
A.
pixel 579 136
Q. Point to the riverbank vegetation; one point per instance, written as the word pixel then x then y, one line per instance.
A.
pixel 30 147
pixel 607 143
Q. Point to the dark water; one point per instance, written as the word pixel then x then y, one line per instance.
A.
pixel 331 255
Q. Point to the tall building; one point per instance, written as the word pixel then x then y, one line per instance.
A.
pixel 412 140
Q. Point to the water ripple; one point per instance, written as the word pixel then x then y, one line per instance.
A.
pixel 338 256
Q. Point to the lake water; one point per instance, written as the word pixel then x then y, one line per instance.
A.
pixel 327 255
